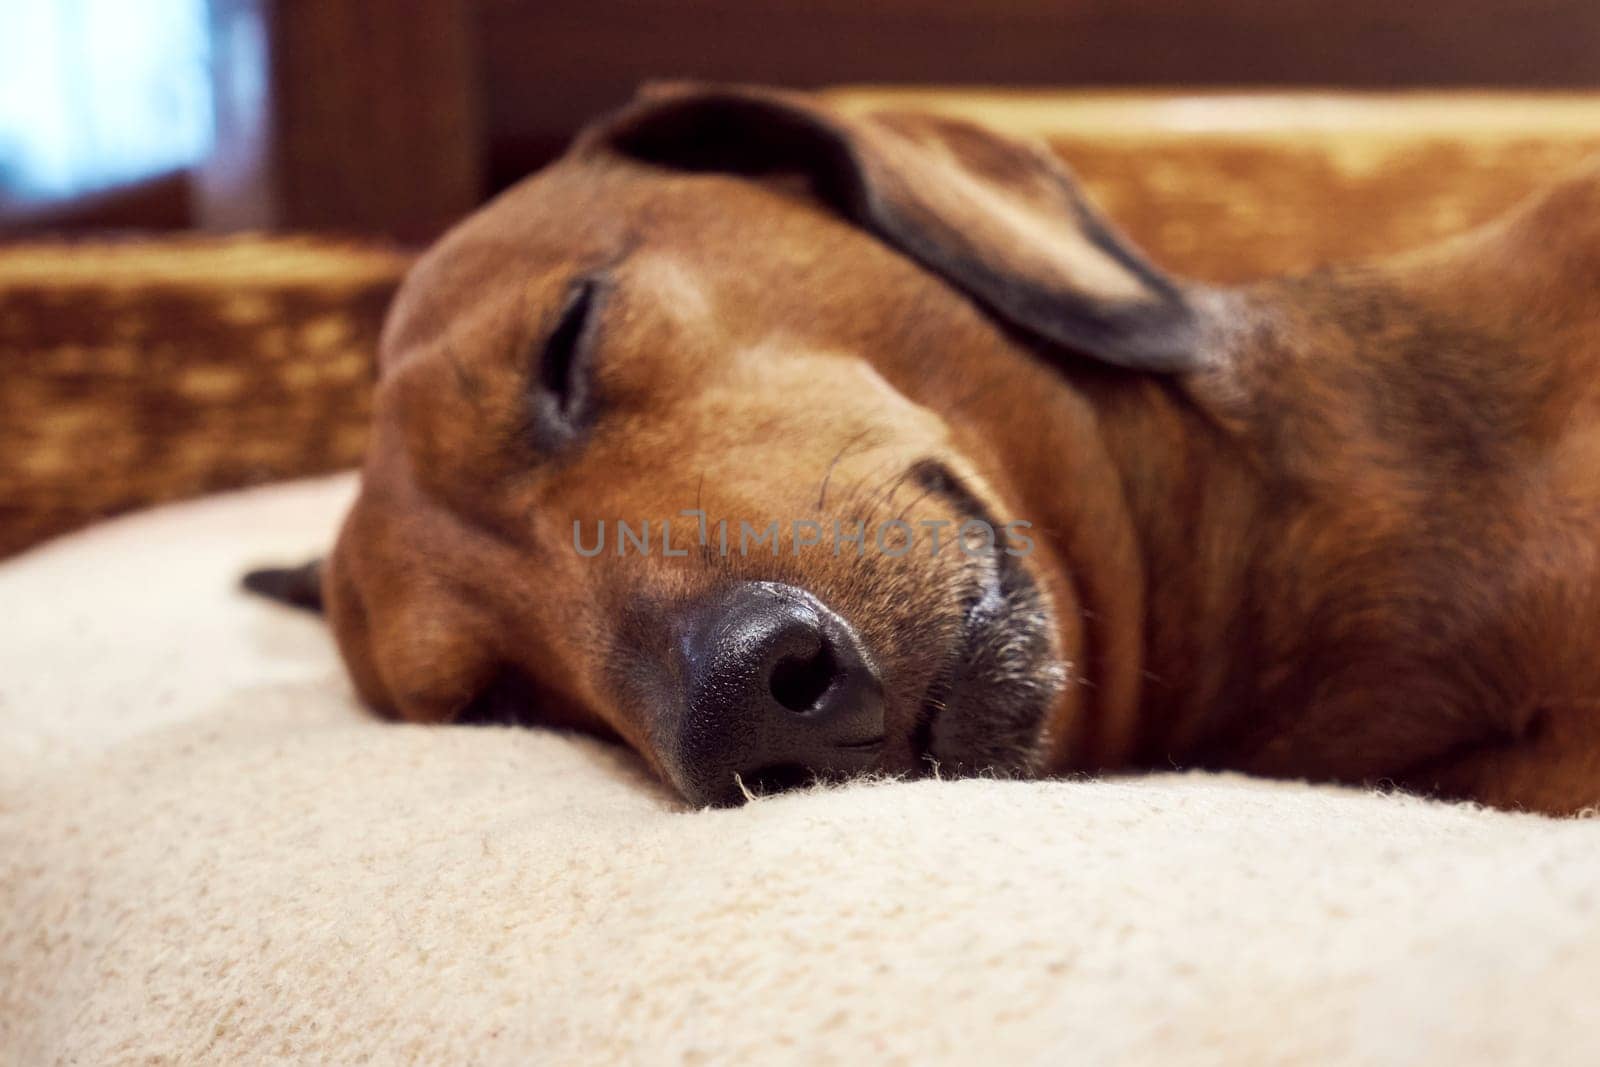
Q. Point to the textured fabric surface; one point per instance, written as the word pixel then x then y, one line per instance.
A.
pixel 208 853
pixel 143 371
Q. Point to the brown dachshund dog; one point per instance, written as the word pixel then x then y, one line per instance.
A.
pixel 783 444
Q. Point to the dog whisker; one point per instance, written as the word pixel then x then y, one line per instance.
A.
pixel 919 498
pixel 702 527
pixel 822 489
pixel 864 503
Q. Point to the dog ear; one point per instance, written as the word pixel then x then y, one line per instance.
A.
pixel 1001 219
pixel 299 587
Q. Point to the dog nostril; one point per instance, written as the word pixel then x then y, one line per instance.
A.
pixel 798 682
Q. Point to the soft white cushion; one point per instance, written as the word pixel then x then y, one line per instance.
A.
pixel 208 852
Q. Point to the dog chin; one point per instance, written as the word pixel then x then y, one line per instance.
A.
pixel 987 709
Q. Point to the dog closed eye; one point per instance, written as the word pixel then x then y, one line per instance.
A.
pixel 562 397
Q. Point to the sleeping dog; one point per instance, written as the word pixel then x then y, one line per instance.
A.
pixel 783 444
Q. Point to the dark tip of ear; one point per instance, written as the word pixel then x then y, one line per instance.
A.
pixel 299 587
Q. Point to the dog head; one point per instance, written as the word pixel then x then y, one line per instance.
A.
pixel 736 435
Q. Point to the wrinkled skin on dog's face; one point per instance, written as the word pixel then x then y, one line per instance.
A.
pixel 710 353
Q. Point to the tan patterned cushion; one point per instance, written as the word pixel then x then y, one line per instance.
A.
pixel 142 371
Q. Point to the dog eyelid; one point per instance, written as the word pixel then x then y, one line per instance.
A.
pixel 563 367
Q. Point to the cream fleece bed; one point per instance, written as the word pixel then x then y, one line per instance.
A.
pixel 208 853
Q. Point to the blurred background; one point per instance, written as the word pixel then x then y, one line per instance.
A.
pixel 392 117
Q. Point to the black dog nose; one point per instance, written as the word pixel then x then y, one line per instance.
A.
pixel 778 690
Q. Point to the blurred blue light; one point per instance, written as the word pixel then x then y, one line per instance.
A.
pixel 98 92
